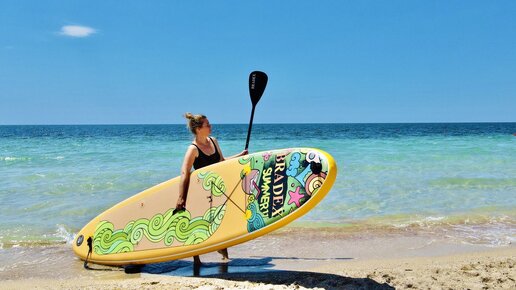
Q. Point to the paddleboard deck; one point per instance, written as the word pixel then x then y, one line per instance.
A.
pixel 228 203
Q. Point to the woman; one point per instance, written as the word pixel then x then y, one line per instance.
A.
pixel 203 151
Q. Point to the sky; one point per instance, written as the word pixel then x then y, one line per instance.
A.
pixel 149 62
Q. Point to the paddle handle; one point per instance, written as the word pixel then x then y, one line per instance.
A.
pixel 249 130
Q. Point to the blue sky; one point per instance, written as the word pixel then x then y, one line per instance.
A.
pixel 148 62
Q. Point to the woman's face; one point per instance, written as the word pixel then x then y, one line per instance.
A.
pixel 206 127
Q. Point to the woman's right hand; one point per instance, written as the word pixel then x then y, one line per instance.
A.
pixel 181 203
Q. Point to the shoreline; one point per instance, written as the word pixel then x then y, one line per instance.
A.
pixel 285 260
pixel 484 231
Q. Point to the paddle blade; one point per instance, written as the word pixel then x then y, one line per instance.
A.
pixel 257 84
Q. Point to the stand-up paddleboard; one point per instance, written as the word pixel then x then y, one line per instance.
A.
pixel 228 203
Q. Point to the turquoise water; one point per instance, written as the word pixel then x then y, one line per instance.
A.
pixel 427 177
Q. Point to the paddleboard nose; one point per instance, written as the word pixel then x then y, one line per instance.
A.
pixel 80 245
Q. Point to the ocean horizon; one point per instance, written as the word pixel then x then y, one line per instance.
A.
pixel 422 177
pixel 266 123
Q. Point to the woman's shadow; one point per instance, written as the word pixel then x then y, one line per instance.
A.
pixel 259 270
pixel 305 279
pixel 188 268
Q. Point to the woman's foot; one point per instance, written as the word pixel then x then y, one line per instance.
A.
pixel 224 253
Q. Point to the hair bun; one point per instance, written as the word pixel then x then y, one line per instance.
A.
pixel 189 116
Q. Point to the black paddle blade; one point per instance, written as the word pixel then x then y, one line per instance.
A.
pixel 257 84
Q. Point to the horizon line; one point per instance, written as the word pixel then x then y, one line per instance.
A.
pixel 321 123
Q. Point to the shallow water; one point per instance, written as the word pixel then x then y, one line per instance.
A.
pixel 428 177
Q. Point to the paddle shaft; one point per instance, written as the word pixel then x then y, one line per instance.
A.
pixel 250 127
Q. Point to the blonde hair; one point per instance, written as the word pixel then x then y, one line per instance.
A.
pixel 194 121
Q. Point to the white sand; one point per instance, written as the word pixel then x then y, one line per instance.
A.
pixel 284 261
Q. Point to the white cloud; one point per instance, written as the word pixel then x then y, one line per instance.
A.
pixel 77 31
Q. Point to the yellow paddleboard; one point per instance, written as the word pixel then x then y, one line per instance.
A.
pixel 228 203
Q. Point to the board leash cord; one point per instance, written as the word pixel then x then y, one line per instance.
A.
pixel 90 249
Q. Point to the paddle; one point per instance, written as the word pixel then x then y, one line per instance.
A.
pixel 257 83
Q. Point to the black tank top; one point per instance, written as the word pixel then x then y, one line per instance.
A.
pixel 204 160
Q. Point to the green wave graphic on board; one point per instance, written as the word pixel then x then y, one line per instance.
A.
pixel 166 228
pixel 213 183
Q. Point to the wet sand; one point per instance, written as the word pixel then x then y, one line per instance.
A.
pixel 290 259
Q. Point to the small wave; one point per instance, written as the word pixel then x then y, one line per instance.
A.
pixel 420 222
pixel 20 239
pixel 477 183
pixel 13 244
pixel 479 228
pixel 493 234
pixel 11 158
pixel 63 234
pixel 55 158
pixel 14 158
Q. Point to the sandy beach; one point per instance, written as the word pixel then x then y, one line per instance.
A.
pixel 284 261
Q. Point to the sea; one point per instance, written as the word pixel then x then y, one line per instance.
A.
pixel 438 178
